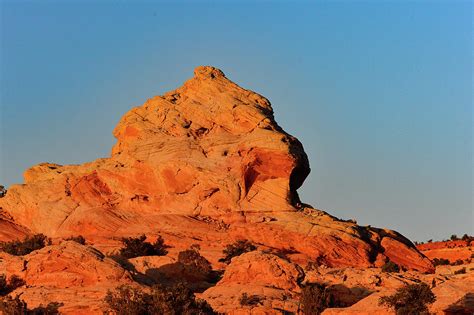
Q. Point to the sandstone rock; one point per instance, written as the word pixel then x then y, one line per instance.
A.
pixel 451 250
pixel 204 164
pixel 270 277
pixel 77 276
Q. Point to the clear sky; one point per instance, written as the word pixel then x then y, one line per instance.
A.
pixel 379 93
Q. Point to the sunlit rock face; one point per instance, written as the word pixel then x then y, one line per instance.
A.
pixel 206 163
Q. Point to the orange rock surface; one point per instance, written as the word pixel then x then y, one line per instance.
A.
pixel 204 164
pixel 451 250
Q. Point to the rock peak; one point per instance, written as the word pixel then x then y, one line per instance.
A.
pixel 208 72
pixel 205 162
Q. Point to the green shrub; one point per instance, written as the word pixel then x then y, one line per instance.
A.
pixel 236 249
pixel 460 271
pixel 29 244
pixel 249 300
pixel 78 239
pixel 16 306
pixel 137 247
pixel 412 299
pixel 315 298
pixel 13 306
pixel 174 300
pixel 390 266
pixel 13 283
pixel 193 262
pixel 3 191
pixel 440 261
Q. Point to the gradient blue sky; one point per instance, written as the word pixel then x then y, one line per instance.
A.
pixel 379 93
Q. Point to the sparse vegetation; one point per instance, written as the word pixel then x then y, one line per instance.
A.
pixel 249 300
pixel 457 262
pixel 192 260
pixel 460 271
pixel 440 261
pixel 137 247
pixel 16 306
pixel 412 299
pixel 454 237
pixel 3 191
pixel 315 298
pixel 11 285
pixel 236 249
pixel 390 266
pixel 29 244
pixel 174 300
pixel 78 239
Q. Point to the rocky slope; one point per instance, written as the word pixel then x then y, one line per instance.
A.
pixel 204 164
pixel 451 250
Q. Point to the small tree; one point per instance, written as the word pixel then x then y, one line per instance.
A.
pixel 460 271
pixel 29 244
pixel 137 247
pixel 174 300
pixel 128 301
pixel 78 239
pixel 249 300
pixel 454 237
pixel 192 260
pixel 236 249
pixel 3 191
pixel 315 298
pixel 440 261
pixel 412 299
pixel 13 283
pixel 13 306
pixel 390 266
pixel 16 306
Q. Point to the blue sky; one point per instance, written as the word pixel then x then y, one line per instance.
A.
pixel 379 93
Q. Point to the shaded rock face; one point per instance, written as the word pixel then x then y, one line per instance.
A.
pixel 75 275
pixel 205 163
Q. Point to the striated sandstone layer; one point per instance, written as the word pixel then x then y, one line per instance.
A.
pixel 206 163
pixel 451 250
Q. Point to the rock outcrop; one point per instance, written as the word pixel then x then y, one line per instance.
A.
pixel 210 151
pixel 69 273
pixel 451 250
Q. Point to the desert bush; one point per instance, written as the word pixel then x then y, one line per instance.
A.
pixel 194 262
pixel 3 285
pixel 249 300
pixel 457 262
pixel 236 249
pixel 29 244
pixel 412 299
pixel 137 247
pixel 3 191
pixel 13 306
pixel 127 300
pixel 454 237
pixel 78 239
pixel 16 306
pixel 13 283
pixel 460 271
pixel 315 298
pixel 440 261
pixel 174 300
pixel 390 266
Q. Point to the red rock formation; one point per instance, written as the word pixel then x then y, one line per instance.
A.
pixel 73 274
pixel 208 149
pixel 451 250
